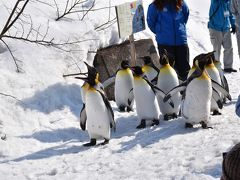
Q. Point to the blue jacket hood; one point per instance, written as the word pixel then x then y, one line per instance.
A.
pixel 168 25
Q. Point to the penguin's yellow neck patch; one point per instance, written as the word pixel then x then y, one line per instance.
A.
pixel 146 68
pixel 85 86
pixel 123 72
pixel 192 69
pixel 137 77
pixel 166 69
pixel 96 79
pixel 210 65
pixel 91 89
pixel 204 76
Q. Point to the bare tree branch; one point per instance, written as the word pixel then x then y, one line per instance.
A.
pixel 88 10
pixel 68 9
pixel 7 95
pixel 93 9
pixel 14 58
pixel 74 74
pixel 7 25
pixel 9 19
pixel 58 14
pixel 106 25
pixel 32 35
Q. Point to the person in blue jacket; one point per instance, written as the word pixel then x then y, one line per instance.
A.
pixel 221 22
pixel 238 106
pixel 167 20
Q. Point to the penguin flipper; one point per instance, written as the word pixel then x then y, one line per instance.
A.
pixel 216 96
pixel 179 88
pixel 155 68
pixel 221 89
pixel 154 80
pixel 110 111
pixel 83 118
pixel 109 81
pixel 225 83
pixel 130 97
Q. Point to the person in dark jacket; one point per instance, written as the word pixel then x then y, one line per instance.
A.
pixel 231 164
pixel 221 22
pixel 167 20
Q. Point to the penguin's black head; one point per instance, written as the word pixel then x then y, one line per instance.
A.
pixel 137 70
pixel 92 77
pixel 199 57
pixel 125 64
pixel 209 60
pixel 147 60
pixel 164 60
pixel 201 62
pixel 210 56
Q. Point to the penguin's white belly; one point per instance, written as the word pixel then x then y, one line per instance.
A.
pixel 98 120
pixel 84 89
pixel 83 95
pixel 146 101
pixel 151 74
pixel 166 82
pixel 197 102
pixel 123 85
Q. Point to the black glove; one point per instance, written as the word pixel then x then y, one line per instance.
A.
pixel 233 30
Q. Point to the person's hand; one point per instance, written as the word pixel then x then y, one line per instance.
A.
pixel 233 30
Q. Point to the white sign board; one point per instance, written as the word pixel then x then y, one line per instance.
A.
pixel 130 18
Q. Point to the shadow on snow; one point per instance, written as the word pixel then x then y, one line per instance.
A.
pixel 151 135
pixel 58 135
pixel 55 97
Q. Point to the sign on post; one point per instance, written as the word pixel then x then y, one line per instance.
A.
pixel 130 18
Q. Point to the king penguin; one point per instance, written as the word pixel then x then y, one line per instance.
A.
pixel 150 70
pixel 217 97
pixel 224 81
pixel 98 118
pixel 123 87
pixel 197 95
pixel 145 98
pixel 214 75
pixel 168 79
pixel 84 89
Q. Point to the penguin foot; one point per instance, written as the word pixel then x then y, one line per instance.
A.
pixel 224 101
pixel 166 117
pixel 91 143
pixel 129 109
pixel 216 112
pixel 106 141
pixel 4 137
pixel 204 125
pixel 188 125
pixel 142 124
pixel 170 116
pixel 155 122
pixel 121 108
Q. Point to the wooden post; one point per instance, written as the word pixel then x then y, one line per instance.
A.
pixel 132 50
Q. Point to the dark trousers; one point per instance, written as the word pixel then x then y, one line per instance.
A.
pixel 179 58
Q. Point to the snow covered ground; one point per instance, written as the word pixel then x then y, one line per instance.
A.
pixel 43 138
